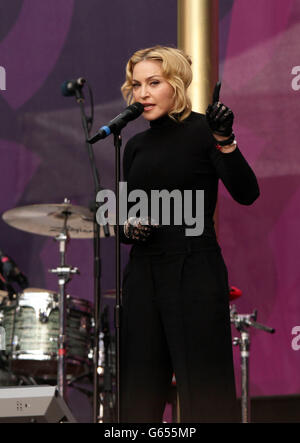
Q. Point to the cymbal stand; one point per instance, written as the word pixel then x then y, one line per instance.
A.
pixel 63 272
pixel 2 339
pixel 242 322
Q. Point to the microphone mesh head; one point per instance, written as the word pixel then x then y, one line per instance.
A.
pixel 139 107
pixel 66 89
pixel 136 110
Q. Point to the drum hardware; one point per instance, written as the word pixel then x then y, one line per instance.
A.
pixel 10 273
pixel 41 306
pixel 63 221
pixel 33 350
pixel 2 345
pixel 242 322
pixel 48 219
pixel 64 276
pixel 7 290
pixel 3 296
pixel 14 337
pixel 2 339
pixel 234 293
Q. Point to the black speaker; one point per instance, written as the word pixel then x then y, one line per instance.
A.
pixel 33 404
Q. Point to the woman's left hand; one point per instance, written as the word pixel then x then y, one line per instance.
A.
pixel 219 117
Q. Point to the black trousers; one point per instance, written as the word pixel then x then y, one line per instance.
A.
pixel 175 319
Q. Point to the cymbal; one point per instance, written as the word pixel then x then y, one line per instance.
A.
pixel 49 219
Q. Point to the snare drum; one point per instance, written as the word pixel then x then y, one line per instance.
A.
pixel 31 323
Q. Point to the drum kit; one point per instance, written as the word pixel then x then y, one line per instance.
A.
pixel 49 335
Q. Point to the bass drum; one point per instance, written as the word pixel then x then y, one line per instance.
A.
pixel 31 323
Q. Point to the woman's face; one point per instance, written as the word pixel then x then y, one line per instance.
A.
pixel 151 89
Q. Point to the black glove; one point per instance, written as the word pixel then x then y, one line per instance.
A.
pixel 219 117
pixel 138 228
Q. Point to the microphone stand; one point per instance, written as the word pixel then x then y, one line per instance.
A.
pixel 108 401
pixel 117 144
pixel 97 260
pixel 115 128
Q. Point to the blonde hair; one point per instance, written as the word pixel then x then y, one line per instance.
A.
pixel 176 69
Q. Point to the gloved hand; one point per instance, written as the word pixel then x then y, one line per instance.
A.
pixel 219 117
pixel 139 228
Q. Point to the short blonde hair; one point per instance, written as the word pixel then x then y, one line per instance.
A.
pixel 176 68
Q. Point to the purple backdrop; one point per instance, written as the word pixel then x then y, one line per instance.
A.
pixel 43 156
pixel 261 243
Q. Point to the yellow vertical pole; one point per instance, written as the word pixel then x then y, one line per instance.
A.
pixel 198 36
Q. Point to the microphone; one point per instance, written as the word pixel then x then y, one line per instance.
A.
pixel 130 113
pixel 11 272
pixel 69 87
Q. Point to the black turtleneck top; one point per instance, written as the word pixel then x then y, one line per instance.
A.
pixel 183 156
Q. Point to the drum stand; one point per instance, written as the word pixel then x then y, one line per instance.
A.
pixel 242 323
pixel 63 271
pixel 2 339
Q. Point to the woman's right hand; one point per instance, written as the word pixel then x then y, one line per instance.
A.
pixel 138 228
